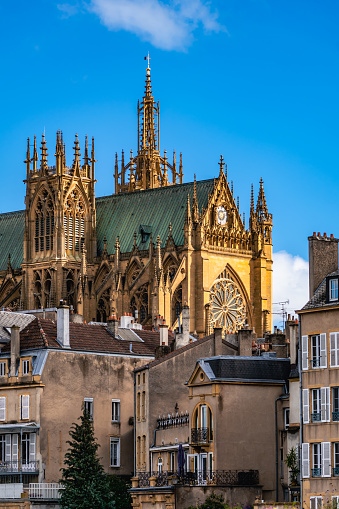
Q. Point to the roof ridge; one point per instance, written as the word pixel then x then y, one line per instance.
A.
pixel 42 332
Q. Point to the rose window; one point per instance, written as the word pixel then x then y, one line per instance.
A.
pixel 227 306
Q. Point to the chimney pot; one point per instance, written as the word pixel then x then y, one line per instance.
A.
pixel 63 325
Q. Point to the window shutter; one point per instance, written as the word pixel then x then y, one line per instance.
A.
pixel 323 351
pixel 32 443
pixel 325 401
pixel 15 452
pixel 2 408
pixel 306 406
pixel 8 455
pixel 333 349
pixel 24 400
pixel 306 460
pixel 304 349
pixel 326 459
pixel 328 404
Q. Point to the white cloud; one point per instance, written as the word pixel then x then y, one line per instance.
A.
pixel 166 26
pixel 290 282
pixel 68 9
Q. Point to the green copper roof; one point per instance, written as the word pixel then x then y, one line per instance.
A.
pixel 12 226
pixel 149 211
pixel 153 209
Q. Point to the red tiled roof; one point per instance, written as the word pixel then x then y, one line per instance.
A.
pixel 42 333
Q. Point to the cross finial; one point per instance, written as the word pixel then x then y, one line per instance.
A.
pixel 148 58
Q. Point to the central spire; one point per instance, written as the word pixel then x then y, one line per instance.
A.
pixel 148 169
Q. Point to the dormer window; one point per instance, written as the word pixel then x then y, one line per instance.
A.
pixel 332 289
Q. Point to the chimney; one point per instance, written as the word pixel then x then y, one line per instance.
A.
pixel 112 325
pixel 15 348
pixel 323 259
pixel 245 338
pixel 63 325
pixel 185 323
pixel 163 335
pixel 218 349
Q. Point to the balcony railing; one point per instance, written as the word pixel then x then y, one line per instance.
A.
pixel 316 417
pixel 201 478
pixel 335 471
pixel 173 420
pixel 14 467
pixel 200 435
pixel 316 472
pixel 315 362
pixel 45 491
pixel 335 416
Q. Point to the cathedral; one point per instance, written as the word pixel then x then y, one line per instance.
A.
pixel 152 247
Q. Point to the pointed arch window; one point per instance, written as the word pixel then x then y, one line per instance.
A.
pixel 44 223
pixel 74 223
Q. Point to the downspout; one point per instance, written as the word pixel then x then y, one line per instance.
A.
pixel 150 453
pixel 283 396
pixel 134 430
pixel 301 416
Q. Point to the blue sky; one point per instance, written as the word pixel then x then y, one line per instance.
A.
pixel 254 80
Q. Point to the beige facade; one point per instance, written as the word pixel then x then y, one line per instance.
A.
pixel 45 384
pixel 225 424
pixel 319 322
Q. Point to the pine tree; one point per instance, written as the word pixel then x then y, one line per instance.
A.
pixel 83 477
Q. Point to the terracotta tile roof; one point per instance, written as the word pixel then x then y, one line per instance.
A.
pixel 42 333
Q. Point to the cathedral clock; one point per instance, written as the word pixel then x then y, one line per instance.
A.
pixel 221 215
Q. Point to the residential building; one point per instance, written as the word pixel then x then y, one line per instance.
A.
pixel 50 370
pixel 215 429
pixel 319 324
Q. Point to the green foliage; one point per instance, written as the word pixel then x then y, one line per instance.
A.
pixel 292 463
pixel 86 484
pixel 120 489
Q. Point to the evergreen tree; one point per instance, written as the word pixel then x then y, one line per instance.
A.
pixel 83 477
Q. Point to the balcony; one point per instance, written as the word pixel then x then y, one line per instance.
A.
pixel 201 478
pixel 335 416
pixel 200 436
pixel 335 471
pixel 316 472
pixel 316 417
pixel 45 491
pixel 18 467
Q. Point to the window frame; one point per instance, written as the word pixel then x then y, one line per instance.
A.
pixel 116 415
pixel 3 366
pixel 22 407
pixel 316 504
pixel 25 367
pixel 286 417
pixel 88 402
pixel 114 441
pixel 3 416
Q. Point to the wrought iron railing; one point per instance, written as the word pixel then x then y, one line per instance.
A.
pixel 173 420
pixel 335 416
pixel 201 478
pixel 316 417
pixel 45 491
pixel 199 435
pixel 335 471
pixel 316 472
pixel 316 362
pixel 8 467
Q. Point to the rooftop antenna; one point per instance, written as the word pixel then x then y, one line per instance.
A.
pixel 283 311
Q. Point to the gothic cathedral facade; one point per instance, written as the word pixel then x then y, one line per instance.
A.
pixel 153 246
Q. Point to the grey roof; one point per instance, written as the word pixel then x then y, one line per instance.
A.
pixel 254 369
pixel 319 297
pixel 8 319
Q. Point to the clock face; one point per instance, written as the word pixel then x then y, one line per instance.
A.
pixel 221 215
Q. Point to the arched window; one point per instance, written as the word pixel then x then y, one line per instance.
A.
pixel 177 304
pixel 202 429
pixel 44 223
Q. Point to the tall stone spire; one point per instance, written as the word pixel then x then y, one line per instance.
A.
pixel 261 210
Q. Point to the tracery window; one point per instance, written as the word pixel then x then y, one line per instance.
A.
pixel 44 223
pixel 227 305
pixel 37 290
pixel 74 222
pixel 177 304
pixel 103 307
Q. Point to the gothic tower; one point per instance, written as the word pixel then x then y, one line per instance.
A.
pixel 60 227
